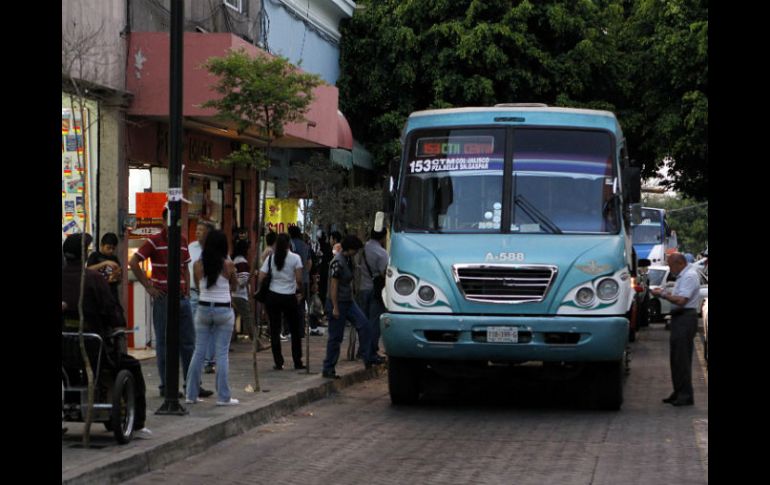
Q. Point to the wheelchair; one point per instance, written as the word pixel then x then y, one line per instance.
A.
pixel 114 390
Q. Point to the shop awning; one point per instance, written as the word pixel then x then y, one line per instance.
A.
pixel 343 158
pixel 344 133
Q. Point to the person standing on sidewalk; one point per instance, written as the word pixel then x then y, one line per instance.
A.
pixel 156 250
pixel 684 325
pixel 285 291
pixel 341 307
pixel 375 263
pixel 241 294
pixel 215 275
pixel 195 249
pixel 302 249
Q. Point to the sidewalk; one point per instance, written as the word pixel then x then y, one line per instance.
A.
pixel 177 437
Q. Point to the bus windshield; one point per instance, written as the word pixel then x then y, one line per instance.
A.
pixel 454 181
pixel 562 182
pixel 647 234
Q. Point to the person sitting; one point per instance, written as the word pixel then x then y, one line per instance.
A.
pixel 101 314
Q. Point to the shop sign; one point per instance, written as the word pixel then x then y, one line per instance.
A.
pixel 149 214
pixel 280 214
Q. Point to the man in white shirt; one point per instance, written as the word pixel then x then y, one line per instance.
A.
pixel 684 325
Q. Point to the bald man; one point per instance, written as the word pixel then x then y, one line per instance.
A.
pixel 684 325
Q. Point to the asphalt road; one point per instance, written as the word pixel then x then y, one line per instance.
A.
pixel 475 433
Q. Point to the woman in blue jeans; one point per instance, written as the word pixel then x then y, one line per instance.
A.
pixel 215 277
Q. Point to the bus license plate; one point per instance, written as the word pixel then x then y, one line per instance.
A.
pixel 508 335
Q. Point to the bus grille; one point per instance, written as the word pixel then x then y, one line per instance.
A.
pixel 504 283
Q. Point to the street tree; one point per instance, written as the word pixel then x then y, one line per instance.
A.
pixel 334 200
pixel 645 60
pixel 263 94
pixel 83 63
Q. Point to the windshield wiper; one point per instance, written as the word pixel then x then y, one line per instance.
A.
pixel 535 214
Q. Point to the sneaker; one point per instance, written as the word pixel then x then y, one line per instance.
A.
pixel 143 434
pixel 209 369
pixel 231 402
pixel 205 393
pixel 284 338
pixel 191 401
pixel 330 375
pixel 317 331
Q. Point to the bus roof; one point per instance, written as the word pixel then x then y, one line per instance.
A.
pixel 532 116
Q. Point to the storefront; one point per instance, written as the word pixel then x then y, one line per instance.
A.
pixel 79 131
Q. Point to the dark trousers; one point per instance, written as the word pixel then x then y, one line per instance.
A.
pixel 681 346
pixel 129 363
pixel 348 311
pixel 277 305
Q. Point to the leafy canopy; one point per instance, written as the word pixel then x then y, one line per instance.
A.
pixel 645 60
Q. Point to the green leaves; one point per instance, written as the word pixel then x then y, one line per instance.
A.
pixel 647 60
pixel 260 93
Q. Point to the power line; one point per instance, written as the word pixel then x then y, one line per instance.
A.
pixel 687 208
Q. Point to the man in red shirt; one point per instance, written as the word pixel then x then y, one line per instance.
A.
pixel 156 250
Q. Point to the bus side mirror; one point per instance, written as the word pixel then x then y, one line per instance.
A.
pixel 379 221
pixel 636 214
pixel 632 184
pixel 395 164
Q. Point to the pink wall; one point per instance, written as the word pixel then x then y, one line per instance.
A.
pixel 147 77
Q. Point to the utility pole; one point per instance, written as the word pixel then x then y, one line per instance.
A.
pixel 171 403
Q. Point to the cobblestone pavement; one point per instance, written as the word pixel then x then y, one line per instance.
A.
pixel 474 434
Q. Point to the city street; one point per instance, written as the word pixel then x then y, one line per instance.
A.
pixel 462 434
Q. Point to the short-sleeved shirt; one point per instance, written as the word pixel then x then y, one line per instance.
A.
pixel 242 273
pixel 687 285
pixel 377 258
pixel 283 281
pixel 156 250
pixel 341 269
pixel 95 258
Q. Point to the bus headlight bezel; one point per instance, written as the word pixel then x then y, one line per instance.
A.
pixel 587 298
pixel 607 289
pixel 404 285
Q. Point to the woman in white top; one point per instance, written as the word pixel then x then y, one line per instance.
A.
pixel 285 292
pixel 215 277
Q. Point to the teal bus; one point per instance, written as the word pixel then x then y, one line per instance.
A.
pixel 510 245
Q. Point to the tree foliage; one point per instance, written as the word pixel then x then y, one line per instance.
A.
pixel 399 56
pixel 335 202
pixel 260 92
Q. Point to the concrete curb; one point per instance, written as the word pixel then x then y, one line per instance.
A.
pixel 181 447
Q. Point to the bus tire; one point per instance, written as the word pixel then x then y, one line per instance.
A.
pixel 608 385
pixel 403 381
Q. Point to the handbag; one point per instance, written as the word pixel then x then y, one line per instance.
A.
pixel 264 288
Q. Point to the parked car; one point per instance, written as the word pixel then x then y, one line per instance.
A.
pixel 705 316
pixel 661 277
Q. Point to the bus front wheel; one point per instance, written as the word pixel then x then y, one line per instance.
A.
pixel 403 381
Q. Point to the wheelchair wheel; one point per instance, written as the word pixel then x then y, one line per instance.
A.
pixel 123 408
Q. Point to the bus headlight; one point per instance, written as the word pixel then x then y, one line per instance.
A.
pixel 404 285
pixel 584 297
pixel 426 294
pixel 607 289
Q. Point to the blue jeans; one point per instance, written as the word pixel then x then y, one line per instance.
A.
pixel 348 311
pixel 186 335
pixel 212 324
pixel 373 308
